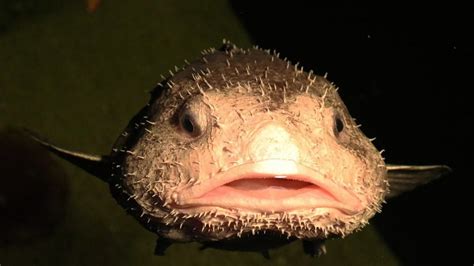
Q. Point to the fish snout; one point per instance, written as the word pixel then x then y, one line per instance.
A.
pixel 273 141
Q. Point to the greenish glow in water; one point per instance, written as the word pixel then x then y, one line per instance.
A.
pixel 78 78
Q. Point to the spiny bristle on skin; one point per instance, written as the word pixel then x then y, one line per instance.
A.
pixel 290 225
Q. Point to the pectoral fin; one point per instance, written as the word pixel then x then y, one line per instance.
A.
pixel 314 247
pixel 402 178
pixel 96 165
pixel 162 244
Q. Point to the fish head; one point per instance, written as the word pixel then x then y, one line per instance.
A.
pixel 242 142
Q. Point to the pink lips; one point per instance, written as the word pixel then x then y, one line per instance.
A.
pixel 269 185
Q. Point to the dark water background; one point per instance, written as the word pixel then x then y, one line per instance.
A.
pixel 78 77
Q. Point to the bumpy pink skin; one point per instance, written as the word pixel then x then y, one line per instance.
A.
pixel 257 118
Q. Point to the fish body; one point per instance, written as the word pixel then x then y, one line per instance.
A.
pixel 243 150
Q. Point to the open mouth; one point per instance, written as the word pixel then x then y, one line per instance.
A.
pixel 269 186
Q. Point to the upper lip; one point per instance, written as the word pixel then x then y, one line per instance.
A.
pixel 340 198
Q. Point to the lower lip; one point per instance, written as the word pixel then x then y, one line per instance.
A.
pixel 268 194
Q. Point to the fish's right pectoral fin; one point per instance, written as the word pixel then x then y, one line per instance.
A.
pixel 96 165
pixel 162 244
pixel 314 248
pixel 402 178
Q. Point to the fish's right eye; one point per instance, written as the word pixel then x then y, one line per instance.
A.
pixel 189 124
pixel 191 119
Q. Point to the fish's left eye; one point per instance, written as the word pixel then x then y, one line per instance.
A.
pixel 338 125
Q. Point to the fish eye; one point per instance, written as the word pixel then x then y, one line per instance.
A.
pixel 338 125
pixel 189 125
pixel 191 119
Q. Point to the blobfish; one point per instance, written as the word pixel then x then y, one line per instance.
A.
pixel 242 150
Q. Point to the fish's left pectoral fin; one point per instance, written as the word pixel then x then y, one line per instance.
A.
pixel 403 178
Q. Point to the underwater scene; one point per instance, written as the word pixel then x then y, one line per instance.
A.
pixel 233 133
